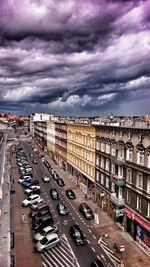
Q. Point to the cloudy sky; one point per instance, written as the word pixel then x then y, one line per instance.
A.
pixel 75 56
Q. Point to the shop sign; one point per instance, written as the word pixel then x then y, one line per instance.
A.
pixel 137 219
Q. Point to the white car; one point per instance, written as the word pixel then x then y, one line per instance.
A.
pixel 44 232
pixel 30 200
pixel 50 241
pixel 46 179
pixel 24 178
pixel 43 160
pixel 29 190
pixel 35 204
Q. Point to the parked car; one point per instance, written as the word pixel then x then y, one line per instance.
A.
pixel 33 190
pixel 60 182
pixel 41 206
pixel 25 178
pixel 54 194
pixel 37 203
pixel 43 160
pixel 44 232
pixel 97 263
pixel 86 211
pixel 30 200
pixel 30 189
pixel 62 208
pixel 46 179
pixel 44 221
pixel 77 235
pixel 50 241
pixel 70 194
pixel 31 155
pixel 41 213
pixel 33 182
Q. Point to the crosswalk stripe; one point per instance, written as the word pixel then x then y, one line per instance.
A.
pixel 65 252
pixel 70 262
pixel 47 261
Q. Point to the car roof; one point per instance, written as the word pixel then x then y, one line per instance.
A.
pixel 32 196
pixel 51 236
pixel 47 228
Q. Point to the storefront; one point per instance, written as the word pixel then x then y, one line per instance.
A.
pixel 138 229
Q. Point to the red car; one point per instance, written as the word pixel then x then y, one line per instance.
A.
pixel 42 206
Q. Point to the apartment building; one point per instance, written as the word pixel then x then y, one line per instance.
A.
pixel 123 178
pixel 51 139
pixel 40 133
pixel 35 117
pixel 81 155
pixel 61 144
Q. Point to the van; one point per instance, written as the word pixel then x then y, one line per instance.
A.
pixel 42 222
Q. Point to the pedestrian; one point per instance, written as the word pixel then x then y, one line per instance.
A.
pixel 23 218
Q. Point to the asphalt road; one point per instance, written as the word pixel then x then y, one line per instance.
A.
pixel 68 254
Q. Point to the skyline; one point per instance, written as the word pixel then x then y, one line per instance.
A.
pixel 75 57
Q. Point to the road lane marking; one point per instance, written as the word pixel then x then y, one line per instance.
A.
pixel 93 249
pixel 94 236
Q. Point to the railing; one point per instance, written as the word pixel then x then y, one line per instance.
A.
pixel 115 200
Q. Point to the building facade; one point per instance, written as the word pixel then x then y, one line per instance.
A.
pixel 34 117
pixel 61 144
pixel 123 178
pixel 51 139
pixel 40 133
pixel 81 155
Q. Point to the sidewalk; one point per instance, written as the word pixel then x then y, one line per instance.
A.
pixel 134 255
pixel 22 250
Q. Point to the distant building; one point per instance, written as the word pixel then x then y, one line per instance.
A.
pixel 34 117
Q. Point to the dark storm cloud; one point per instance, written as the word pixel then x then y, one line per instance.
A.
pixel 74 56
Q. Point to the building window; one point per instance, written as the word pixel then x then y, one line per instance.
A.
pixel 107 164
pixel 129 175
pixel 107 148
pixel 129 154
pixel 128 196
pixel 148 185
pixel 113 151
pixel 102 178
pixel 107 182
pixel 98 145
pixel 138 203
pixel 102 162
pixel 113 168
pixel 112 187
pixel 102 147
pixel 148 210
pixel 120 171
pixel 139 180
pixel 140 157
pixel 97 160
pixel 121 153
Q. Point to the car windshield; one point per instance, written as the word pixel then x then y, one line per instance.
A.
pixel 44 241
pixel 43 233
pixel 37 219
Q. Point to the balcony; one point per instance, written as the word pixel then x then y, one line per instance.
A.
pixel 118 202
pixel 117 180
pixel 118 160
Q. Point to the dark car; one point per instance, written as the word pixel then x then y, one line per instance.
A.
pixel 54 194
pixel 34 191
pixel 33 182
pixel 42 222
pixel 60 182
pixel 41 214
pixel 97 263
pixel 62 208
pixel 86 211
pixel 70 194
pixel 77 235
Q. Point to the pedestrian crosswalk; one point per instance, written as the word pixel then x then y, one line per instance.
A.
pixel 61 256
pixel 110 254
